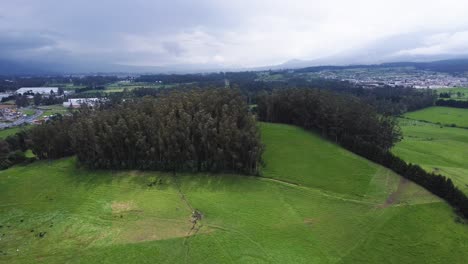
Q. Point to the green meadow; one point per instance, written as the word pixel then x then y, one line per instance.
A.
pixel 4 133
pixel 441 115
pixel 8 132
pixel 439 149
pixel 315 203
pixel 458 93
pixel 53 109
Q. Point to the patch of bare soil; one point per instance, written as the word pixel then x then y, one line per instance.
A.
pixel 395 196
pixel 120 207
pixel 158 229
pixel 310 221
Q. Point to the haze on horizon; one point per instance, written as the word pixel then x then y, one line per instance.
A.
pixel 230 34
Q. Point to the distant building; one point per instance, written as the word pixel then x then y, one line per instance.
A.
pixel 77 102
pixel 39 90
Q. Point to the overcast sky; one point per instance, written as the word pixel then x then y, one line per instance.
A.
pixel 241 33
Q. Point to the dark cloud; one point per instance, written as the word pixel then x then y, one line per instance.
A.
pixel 24 41
pixel 231 33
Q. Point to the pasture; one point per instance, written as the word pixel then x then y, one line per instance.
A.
pixel 121 87
pixel 438 149
pixel 11 131
pixel 458 93
pixel 8 132
pixel 315 203
pixel 441 115
pixel 53 109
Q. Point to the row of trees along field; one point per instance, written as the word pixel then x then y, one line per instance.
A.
pixel 356 126
pixel 199 130
pixel 452 103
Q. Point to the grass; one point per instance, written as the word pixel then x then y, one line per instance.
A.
pixel 455 92
pixel 120 87
pixel 443 115
pixel 437 149
pixel 4 133
pixel 53 109
pixel 11 131
pixel 303 210
pixel 28 112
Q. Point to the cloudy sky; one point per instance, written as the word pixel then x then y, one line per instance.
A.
pixel 241 33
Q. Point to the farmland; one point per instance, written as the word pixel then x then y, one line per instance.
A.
pixel 316 202
pixel 459 93
pixel 437 148
pixel 121 87
pixel 447 116
pixel 53 109
pixel 9 131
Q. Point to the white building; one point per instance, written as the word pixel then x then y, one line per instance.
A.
pixel 77 102
pixel 39 90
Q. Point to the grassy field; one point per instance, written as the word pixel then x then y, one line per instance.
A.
pixel 11 131
pixel 437 149
pixel 120 87
pixel 316 203
pixel 8 132
pixel 459 93
pixel 27 111
pixel 53 109
pixel 442 115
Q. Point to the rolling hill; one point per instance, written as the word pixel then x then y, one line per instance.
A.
pixel 315 203
pixel 437 148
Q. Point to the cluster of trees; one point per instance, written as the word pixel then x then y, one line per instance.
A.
pixel 38 99
pixel 452 103
pixel 335 116
pixel 199 130
pixel 448 95
pixel 90 88
pixel 386 100
pixel 12 150
pixel 445 95
pixel 21 100
pixel 356 126
pixel 94 81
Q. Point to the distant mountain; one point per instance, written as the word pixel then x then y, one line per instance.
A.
pixel 453 66
pixel 20 68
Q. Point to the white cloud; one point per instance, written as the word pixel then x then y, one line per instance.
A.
pixel 444 43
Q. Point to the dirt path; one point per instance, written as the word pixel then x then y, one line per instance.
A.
pixel 395 196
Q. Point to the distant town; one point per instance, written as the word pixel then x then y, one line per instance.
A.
pixel 405 76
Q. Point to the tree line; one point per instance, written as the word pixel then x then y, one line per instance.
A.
pixel 12 150
pixel 452 103
pixel 335 116
pixel 359 128
pixel 199 130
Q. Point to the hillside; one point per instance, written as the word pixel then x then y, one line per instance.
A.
pixel 317 203
pixel 437 148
